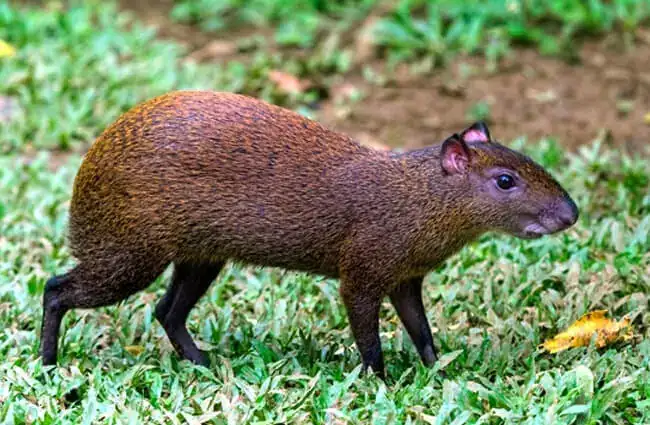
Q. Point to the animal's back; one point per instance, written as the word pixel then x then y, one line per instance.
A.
pixel 207 175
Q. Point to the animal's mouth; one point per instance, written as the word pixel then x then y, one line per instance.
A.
pixel 535 231
pixel 549 221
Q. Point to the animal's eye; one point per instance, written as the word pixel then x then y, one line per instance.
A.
pixel 505 182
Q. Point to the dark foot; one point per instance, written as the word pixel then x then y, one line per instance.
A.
pixel 363 314
pixel 189 283
pixel 379 373
pixel 198 357
pixel 182 342
pixel 428 356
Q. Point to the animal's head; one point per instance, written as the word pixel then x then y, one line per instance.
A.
pixel 513 194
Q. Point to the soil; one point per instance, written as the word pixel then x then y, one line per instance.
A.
pixel 606 95
pixel 156 13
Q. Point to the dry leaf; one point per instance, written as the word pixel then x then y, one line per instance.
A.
pixel 134 350
pixel 6 49
pixel 580 332
pixel 452 88
pixel 344 92
pixel 542 96
pixel 643 35
pixel 617 74
pixel 364 45
pixel 214 49
pixel 288 83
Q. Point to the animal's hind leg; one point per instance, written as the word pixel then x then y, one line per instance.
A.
pixel 189 283
pixel 53 312
pixel 100 284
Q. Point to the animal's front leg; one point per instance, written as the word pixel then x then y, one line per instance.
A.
pixel 407 300
pixel 363 313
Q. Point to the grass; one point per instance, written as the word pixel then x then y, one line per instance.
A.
pixel 432 31
pixel 480 111
pixel 280 347
pixel 297 22
pixel 438 30
pixel 77 69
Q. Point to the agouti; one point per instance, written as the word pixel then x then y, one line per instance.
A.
pixel 196 178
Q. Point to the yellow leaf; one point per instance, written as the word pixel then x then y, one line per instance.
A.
pixel 646 118
pixel 580 332
pixel 6 49
pixel 134 350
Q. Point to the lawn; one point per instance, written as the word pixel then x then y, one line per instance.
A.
pixel 280 346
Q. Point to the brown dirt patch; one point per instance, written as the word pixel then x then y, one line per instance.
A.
pixel 534 96
pixel 531 95
pixel 202 46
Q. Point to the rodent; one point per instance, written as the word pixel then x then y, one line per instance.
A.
pixel 196 178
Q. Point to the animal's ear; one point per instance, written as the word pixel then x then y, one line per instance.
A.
pixel 454 155
pixel 477 132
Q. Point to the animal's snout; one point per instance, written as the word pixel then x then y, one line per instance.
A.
pixel 566 214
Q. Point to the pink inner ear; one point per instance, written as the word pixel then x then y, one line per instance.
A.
pixel 458 161
pixel 475 136
pixel 455 163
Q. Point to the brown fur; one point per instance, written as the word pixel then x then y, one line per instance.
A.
pixel 198 178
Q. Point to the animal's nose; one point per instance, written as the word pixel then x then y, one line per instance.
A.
pixel 567 212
